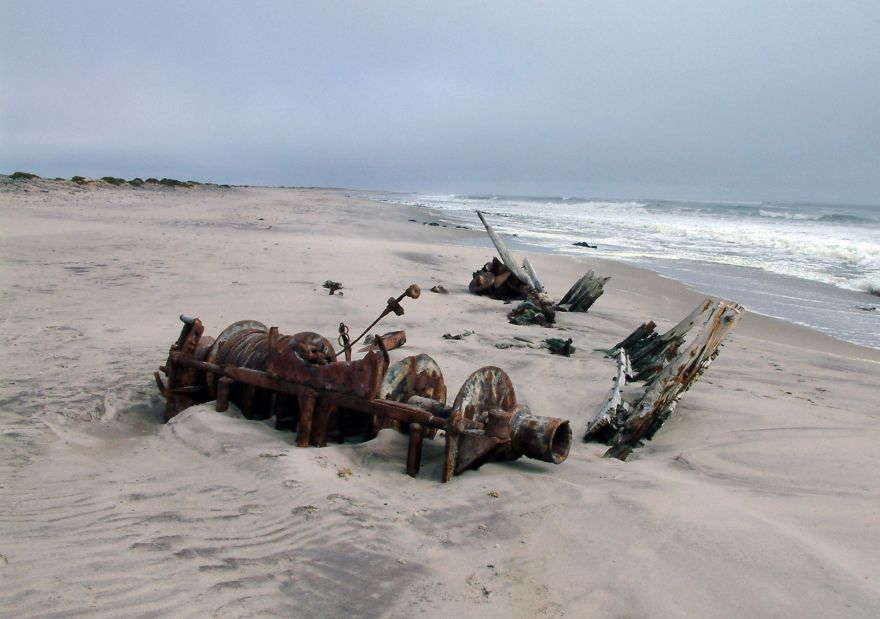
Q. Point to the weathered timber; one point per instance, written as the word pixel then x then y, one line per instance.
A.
pixel 505 279
pixel 583 294
pixel 650 353
pixel 536 283
pixel 507 257
pixel 614 411
pixel 671 363
pixel 497 281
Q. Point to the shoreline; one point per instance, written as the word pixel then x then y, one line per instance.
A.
pixel 766 472
pixel 478 238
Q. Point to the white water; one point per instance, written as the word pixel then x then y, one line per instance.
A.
pixel 824 257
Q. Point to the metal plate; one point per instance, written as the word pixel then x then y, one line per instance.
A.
pixel 486 389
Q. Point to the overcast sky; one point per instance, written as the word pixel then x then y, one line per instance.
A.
pixel 702 99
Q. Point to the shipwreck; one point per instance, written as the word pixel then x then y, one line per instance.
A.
pixel 301 381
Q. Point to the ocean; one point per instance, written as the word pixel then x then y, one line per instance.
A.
pixel 816 265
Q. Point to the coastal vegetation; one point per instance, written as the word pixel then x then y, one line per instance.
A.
pixel 118 181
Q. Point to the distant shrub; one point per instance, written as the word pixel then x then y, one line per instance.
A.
pixel 57 178
pixel 152 181
pixel 136 182
pixel 113 180
pixel 173 182
pixel 79 180
pixel 23 176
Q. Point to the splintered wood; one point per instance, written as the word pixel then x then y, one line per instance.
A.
pixel 583 294
pixel 668 364
pixel 505 279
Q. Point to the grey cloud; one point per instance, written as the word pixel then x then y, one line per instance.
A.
pixel 672 99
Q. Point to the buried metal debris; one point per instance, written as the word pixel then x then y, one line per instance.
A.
pixel 299 379
pixel 668 364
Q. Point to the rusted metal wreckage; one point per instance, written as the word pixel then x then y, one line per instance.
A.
pixel 300 380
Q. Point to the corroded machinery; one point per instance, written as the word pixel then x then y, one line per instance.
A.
pixel 298 379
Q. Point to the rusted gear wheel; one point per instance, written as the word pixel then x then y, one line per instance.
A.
pixel 417 375
pixel 228 333
pixel 486 389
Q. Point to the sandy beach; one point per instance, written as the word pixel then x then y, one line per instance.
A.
pixel 758 498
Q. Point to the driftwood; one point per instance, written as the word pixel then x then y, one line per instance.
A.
pixel 496 281
pixel 507 258
pixel 505 279
pixel 583 294
pixel 668 367
pixel 530 270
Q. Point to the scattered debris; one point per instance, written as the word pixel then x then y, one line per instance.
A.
pixel 513 344
pixel 457 336
pixel 298 379
pixel 439 289
pixel 309 511
pixel 392 305
pixel 525 273
pixel 388 341
pixel 583 294
pixel 343 472
pixel 559 346
pixel 332 286
pixel 869 308
pixel 494 494
pixel 668 364
pixel 497 281
pixel 585 244
pixel 538 309
pixel 504 279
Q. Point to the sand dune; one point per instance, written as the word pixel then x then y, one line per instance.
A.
pixel 758 498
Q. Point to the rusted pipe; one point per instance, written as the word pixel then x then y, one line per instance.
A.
pixel 542 438
pixel 223 394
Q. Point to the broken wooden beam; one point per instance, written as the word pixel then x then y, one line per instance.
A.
pixel 610 417
pixel 508 260
pixel 622 424
pixel 583 294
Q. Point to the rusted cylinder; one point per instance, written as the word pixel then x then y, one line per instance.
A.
pixel 543 438
pixel 249 348
pixel 498 424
